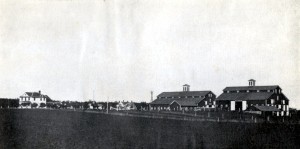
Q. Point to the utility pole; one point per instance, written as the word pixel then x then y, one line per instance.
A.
pixel 93 95
pixel 107 106
pixel 151 96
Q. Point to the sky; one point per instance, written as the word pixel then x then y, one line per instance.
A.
pixel 124 49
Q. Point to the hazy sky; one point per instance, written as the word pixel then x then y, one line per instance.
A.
pixel 124 49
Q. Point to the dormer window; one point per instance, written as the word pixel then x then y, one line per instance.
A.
pixel 257 90
pixel 247 91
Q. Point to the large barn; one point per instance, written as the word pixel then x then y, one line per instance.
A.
pixel 184 100
pixel 241 98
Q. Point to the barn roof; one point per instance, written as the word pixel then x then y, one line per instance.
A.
pixel 165 101
pixel 181 101
pixel 189 101
pixel 188 93
pixel 245 96
pixel 266 108
pixel 235 88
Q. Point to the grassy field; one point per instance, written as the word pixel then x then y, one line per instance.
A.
pixel 68 129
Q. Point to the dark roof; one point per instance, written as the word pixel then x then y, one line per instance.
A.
pixel 38 95
pixel 33 94
pixel 235 88
pixel 245 96
pixel 181 101
pixel 186 85
pixel 266 108
pixel 188 93
pixel 164 101
pixel 251 80
pixel 189 101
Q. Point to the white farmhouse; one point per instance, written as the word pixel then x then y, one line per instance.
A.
pixel 34 97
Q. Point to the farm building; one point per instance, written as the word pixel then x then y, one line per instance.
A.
pixel 34 97
pixel 184 100
pixel 242 97
pixel 126 106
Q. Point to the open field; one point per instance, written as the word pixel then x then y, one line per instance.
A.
pixel 34 128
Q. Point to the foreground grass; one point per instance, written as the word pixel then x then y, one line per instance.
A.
pixel 69 129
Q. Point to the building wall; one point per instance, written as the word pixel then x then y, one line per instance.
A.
pixel 159 107
pixel 175 106
pixel 208 102
pixel 33 100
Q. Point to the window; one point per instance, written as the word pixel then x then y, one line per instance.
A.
pixel 190 97
pixel 196 96
pixel 279 106
pixel 283 102
pixel 210 100
pixel 205 102
pixel 272 101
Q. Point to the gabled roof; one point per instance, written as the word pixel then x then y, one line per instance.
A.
pixel 235 88
pixel 188 93
pixel 245 96
pixel 189 101
pixel 181 101
pixel 38 95
pixel 165 101
pixel 34 94
pixel 266 108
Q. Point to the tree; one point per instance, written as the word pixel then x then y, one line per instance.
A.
pixel 34 105
pixel 85 105
pixel 24 104
pixel 42 105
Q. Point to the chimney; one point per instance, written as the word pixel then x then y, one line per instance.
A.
pixel 39 91
pixel 186 87
pixel 251 82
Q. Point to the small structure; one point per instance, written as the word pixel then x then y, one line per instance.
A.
pixel 126 106
pixel 184 100
pixel 142 106
pixel 263 110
